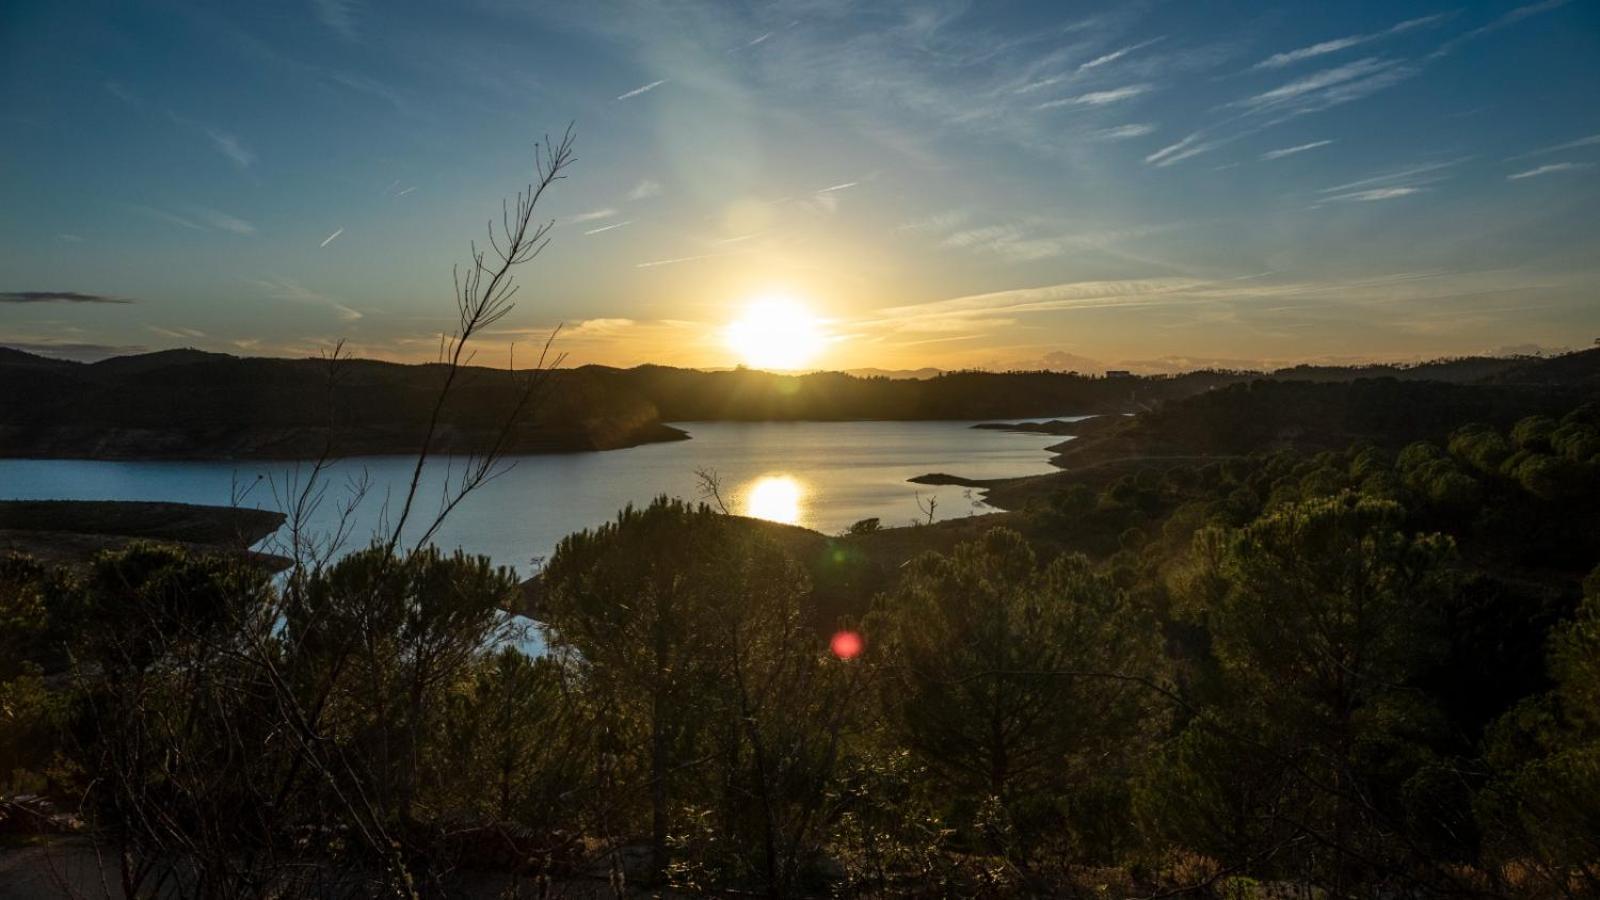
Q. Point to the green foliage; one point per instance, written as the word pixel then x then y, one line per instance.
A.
pixel 506 753
pixel 1533 433
pixel 864 526
pixel 140 604
pixel 1481 446
pixel 1353 671
pixel 24 616
pixel 1542 810
pixel 1016 681
pixel 688 633
pixel 1321 618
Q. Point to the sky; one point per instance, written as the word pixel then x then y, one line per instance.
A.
pixel 1073 185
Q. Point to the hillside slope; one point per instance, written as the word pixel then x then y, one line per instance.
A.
pixel 186 404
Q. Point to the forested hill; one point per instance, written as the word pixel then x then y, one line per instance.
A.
pixel 1267 415
pixel 193 404
pixel 694 395
pixel 188 404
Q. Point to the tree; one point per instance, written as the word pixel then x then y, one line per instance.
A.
pixel 1542 810
pixel 510 749
pixel 688 632
pixel 1321 617
pixel 421 625
pixel 621 602
pixel 1015 682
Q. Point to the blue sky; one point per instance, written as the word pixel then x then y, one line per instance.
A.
pixel 1152 185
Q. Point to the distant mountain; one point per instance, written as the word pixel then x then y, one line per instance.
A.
pixel 160 359
pixel 916 374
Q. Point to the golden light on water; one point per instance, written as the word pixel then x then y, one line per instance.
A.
pixel 776 498
pixel 775 332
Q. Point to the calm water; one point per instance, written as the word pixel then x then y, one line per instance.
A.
pixel 822 475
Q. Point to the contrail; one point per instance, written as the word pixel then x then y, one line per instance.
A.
pixel 329 239
pixel 639 90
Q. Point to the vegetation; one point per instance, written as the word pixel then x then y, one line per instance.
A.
pixel 1356 671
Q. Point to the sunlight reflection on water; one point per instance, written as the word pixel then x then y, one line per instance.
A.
pixel 776 498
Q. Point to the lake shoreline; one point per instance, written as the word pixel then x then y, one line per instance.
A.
pixel 823 476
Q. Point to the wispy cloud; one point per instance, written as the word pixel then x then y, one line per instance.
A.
pixel 1288 58
pixel 120 91
pixel 170 218
pixel 1551 169
pixel 1329 86
pixel 57 297
pixel 592 215
pixel 223 222
pixel 231 147
pixel 937 222
pixel 1290 151
pixel 668 262
pixel 1589 141
pixel 590 328
pixel 642 89
pixel 960 312
pixel 1368 196
pixel 337 15
pixel 1407 176
pixel 1098 98
pixel 177 333
pixel 1393 298
pixel 1115 55
pixel 1192 145
pixel 197 218
pixel 293 291
pixel 972 237
pixel 1032 240
pixel 1122 132
pixel 1510 18
pixel 330 238
pixel 645 189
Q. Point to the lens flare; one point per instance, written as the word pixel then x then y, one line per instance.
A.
pixel 846 645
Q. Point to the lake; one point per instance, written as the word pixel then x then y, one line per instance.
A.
pixel 821 475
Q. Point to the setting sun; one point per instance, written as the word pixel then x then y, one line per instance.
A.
pixel 775 333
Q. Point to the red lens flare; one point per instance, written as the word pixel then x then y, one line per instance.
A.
pixel 846 645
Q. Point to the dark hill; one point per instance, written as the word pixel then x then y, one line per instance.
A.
pixel 1581 368
pixel 134 364
pixel 193 404
pixel 188 404
pixel 18 358
pixel 1310 416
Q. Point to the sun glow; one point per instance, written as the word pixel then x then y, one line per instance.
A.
pixel 776 498
pixel 775 333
